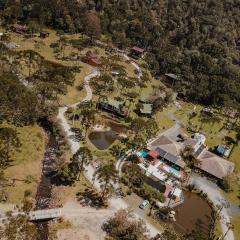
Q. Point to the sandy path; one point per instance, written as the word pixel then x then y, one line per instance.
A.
pixel 76 212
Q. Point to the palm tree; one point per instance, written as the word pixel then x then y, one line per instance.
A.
pixel 107 176
pixel 188 156
pixel 80 159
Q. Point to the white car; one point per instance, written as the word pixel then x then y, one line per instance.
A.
pixel 144 204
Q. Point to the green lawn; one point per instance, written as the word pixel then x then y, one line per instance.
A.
pixel 163 121
pixel 27 163
pixel 235 156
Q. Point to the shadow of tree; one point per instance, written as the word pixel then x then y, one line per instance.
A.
pixel 89 197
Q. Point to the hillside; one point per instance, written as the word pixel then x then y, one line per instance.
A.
pixel 197 40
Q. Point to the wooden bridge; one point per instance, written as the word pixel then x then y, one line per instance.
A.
pixel 38 215
pixel 45 214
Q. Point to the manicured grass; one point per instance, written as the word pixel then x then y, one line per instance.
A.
pixel 27 163
pixel 163 121
pixel 235 156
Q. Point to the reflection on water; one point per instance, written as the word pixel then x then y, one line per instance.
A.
pixel 194 212
pixel 103 140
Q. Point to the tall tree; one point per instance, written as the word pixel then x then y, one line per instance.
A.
pixel 107 176
pixel 92 25
pixel 80 159
pixel 9 142
pixel 123 225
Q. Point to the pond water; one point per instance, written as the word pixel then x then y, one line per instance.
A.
pixel 104 139
pixel 194 212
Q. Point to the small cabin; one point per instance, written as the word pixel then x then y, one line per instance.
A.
pixel 146 109
pixel 44 34
pixel 21 29
pixel 137 52
pixel 113 106
pixel 92 59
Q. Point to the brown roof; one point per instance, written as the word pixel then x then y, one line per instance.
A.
pixel 20 27
pixel 137 49
pixel 90 54
pixel 214 164
pixel 190 141
pixel 167 149
pixel 168 145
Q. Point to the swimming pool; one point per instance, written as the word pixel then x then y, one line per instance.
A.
pixel 171 170
pixel 143 153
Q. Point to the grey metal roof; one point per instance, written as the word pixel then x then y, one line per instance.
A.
pixel 161 152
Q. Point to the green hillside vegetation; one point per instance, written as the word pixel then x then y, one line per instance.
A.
pixel 197 40
pixel 24 172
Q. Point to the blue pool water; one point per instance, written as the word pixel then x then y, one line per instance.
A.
pixel 174 172
pixel 143 153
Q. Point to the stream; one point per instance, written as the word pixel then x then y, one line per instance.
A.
pixel 44 191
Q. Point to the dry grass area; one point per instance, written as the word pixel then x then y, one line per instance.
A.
pixel 236 230
pixel 73 94
pixel 62 194
pixel 233 196
pixel 26 166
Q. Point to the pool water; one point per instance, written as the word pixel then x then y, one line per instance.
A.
pixel 143 153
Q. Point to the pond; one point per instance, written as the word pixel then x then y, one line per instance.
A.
pixel 194 212
pixel 102 140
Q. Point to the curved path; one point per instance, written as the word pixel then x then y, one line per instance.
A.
pixel 115 203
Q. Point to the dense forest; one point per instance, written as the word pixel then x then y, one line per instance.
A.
pixel 199 40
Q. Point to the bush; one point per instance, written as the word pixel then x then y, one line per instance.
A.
pixel 79 87
pixel 27 193
pixel 148 192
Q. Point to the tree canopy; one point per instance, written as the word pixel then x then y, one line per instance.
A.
pixel 198 40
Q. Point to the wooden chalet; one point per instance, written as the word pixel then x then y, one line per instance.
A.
pixel 136 52
pixel 44 34
pixel 92 59
pixel 21 29
pixel 113 106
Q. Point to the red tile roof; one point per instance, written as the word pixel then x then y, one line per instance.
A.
pixel 153 154
pixel 137 49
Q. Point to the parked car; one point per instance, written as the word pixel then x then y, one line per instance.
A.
pixel 144 204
